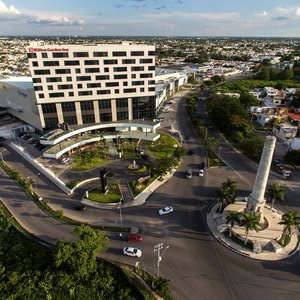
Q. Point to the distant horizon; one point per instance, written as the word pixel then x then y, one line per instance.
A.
pixel 165 18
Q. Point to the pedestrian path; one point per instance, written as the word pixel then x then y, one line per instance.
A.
pixel 113 152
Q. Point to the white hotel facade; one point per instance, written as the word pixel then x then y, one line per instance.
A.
pixel 81 85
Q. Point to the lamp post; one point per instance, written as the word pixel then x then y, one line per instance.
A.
pixel 158 248
pixel 120 211
pixel 34 178
pixel 219 156
pixel 2 155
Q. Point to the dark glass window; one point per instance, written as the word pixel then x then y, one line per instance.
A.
pixel 137 53
pixel 120 76
pixel 91 62
pixel 146 75
pixel 62 71
pixel 68 107
pixel 87 105
pixel 36 80
pixel 102 77
pixel 143 107
pixel 79 86
pixel 110 61
pixel 94 85
pixel 87 119
pixel 41 72
pixel 104 104
pixel 49 108
pixel 83 78
pixel 92 70
pixel 44 55
pixel 100 54
pixel 106 70
pixel 69 78
pixel 117 91
pixel 50 87
pixel 35 64
pixel 133 76
pixel 120 69
pixel 138 68
pixel 38 88
pixel 56 95
pixel 146 61
pixel 151 82
pixel 53 79
pixel 103 92
pixel 51 122
pixel 140 82
pixel 85 93
pixel 80 54
pixel 71 94
pixel 65 86
pixel 125 83
pixel 51 63
pixel 121 103
pixel 151 68
pixel 128 61
pixel 77 71
pixel 151 53
pixel 129 90
pixel 71 62
pixel 60 54
pixel 151 89
pixel 72 120
pixel 119 53
pixel 105 117
pixel 110 84
pixel 31 55
pixel 41 96
pixel 122 115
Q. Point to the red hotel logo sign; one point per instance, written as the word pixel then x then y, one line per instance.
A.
pixel 47 49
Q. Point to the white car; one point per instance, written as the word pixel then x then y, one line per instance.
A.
pixel 64 160
pixel 201 173
pixel 165 210
pixel 131 251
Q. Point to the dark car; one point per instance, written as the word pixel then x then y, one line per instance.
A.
pixel 80 207
pixel 2 138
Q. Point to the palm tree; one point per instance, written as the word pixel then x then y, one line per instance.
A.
pixel 231 187
pixel 276 192
pixel 29 183
pixel 251 222
pixel 232 218
pixel 222 194
pixel 289 220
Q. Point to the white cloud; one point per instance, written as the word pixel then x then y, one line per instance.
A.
pixel 195 15
pixel 263 14
pixel 63 21
pixel 298 11
pixel 8 10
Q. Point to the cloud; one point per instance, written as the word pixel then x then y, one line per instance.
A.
pixel 263 14
pixel 179 1
pixel 56 21
pixel 298 12
pixel 280 18
pixel 8 10
pixel 160 7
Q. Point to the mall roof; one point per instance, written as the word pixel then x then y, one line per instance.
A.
pixel 24 83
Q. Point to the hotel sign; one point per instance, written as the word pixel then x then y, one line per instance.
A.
pixel 47 49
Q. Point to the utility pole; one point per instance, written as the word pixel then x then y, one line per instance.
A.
pixel 158 248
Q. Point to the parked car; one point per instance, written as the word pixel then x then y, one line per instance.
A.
pixel 134 237
pixel 189 174
pixel 131 251
pixel 64 160
pixel 165 210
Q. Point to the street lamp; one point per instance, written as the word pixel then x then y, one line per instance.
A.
pixel 219 156
pixel 2 155
pixel 121 218
pixel 34 178
pixel 158 248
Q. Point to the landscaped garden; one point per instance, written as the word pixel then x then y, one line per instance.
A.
pixel 163 147
pixel 112 196
pixel 92 158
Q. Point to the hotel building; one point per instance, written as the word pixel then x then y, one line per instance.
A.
pixel 81 85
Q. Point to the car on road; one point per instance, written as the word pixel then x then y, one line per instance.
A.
pixel 171 101
pixel 201 173
pixel 64 160
pixel 159 119
pixel 133 237
pixel 131 251
pixel 80 207
pixel 189 174
pixel 165 210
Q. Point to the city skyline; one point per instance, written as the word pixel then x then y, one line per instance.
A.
pixel 151 18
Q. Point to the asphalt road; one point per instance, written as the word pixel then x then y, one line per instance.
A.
pixel 197 265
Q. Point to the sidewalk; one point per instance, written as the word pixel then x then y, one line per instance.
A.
pixel 273 231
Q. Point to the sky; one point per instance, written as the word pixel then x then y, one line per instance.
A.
pixel 271 18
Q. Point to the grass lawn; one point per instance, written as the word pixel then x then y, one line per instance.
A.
pixel 112 196
pixel 163 147
pixel 88 165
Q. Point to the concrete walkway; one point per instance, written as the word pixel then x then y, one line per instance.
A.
pixel 274 230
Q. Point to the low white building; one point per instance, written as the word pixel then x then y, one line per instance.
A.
pixel 285 132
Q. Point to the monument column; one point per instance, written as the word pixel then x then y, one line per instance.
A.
pixel 256 199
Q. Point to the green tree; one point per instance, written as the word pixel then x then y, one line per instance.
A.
pixel 248 99
pixel 222 194
pixel 192 80
pixel 251 222
pixel 289 220
pixel 233 217
pixel 227 193
pixel 80 257
pixel 276 192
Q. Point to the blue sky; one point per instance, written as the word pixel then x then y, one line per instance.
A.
pixel 151 17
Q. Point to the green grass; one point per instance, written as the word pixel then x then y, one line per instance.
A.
pixel 71 184
pixel 112 196
pixel 163 147
pixel 236 240
pixel 95 162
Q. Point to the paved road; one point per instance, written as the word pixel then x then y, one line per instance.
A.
pixel 198 266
